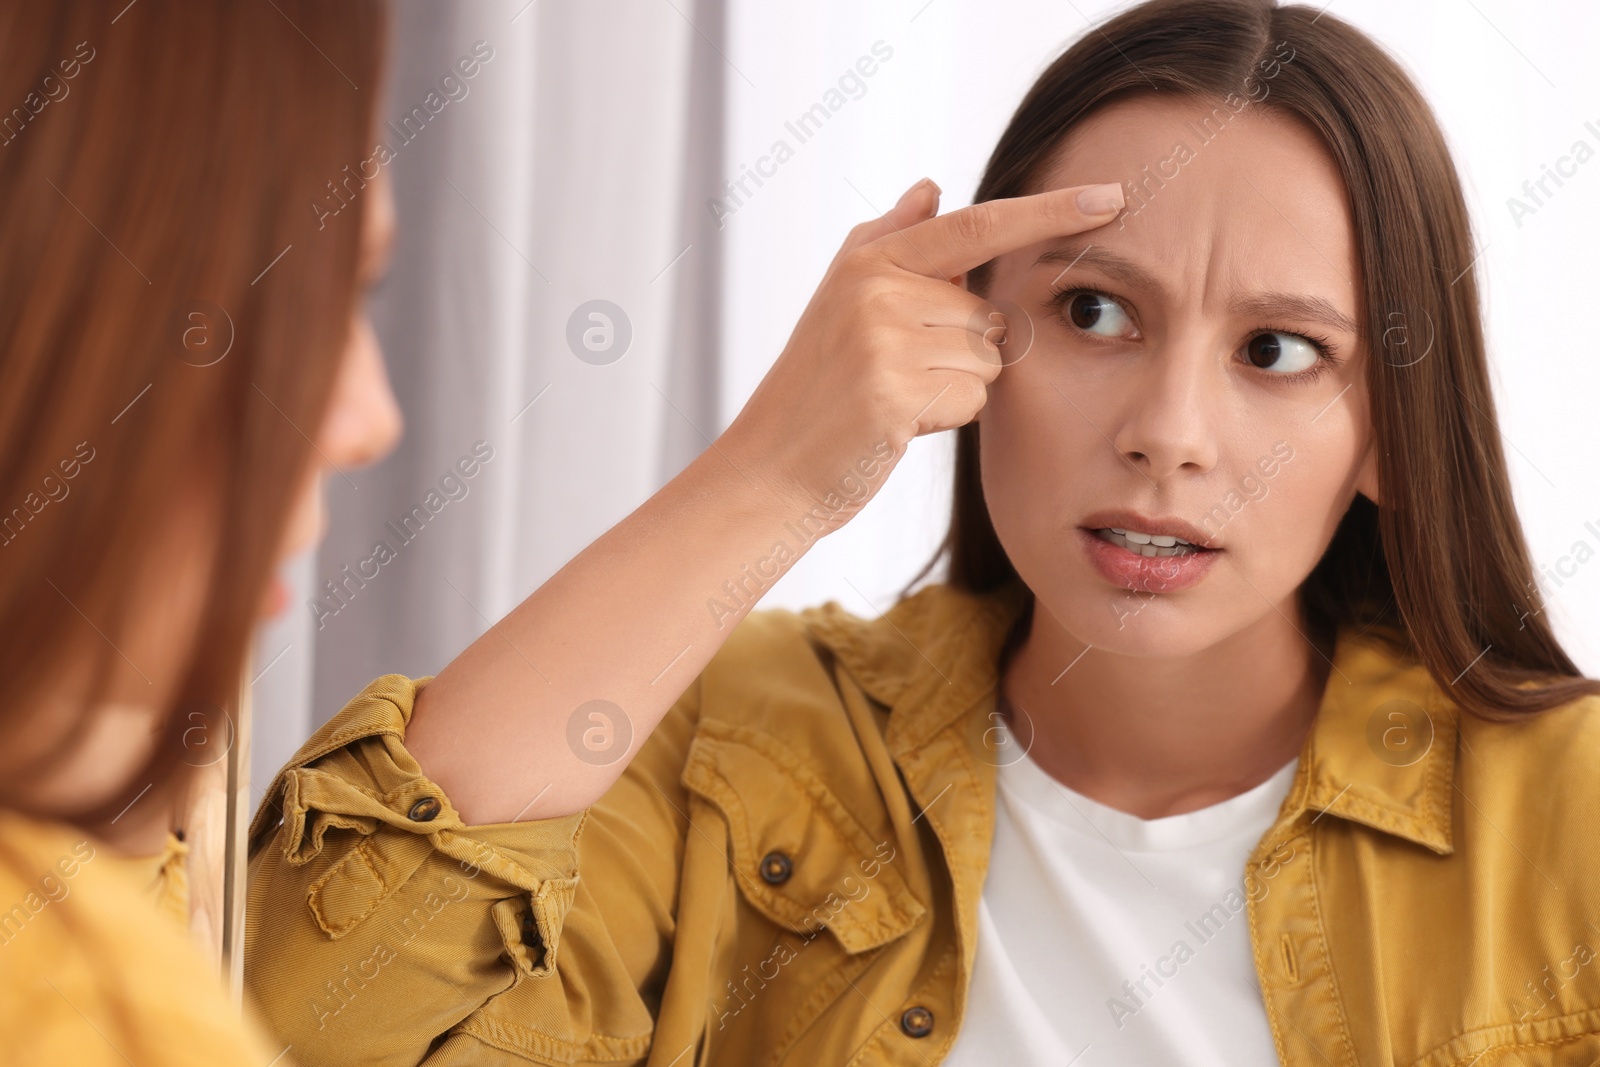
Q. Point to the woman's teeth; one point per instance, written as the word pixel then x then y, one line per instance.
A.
pixel 1147 544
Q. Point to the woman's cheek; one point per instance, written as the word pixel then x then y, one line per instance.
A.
pixel 1288 510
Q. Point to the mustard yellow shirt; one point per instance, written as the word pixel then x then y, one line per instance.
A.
pixel 96 964
pixel 789 873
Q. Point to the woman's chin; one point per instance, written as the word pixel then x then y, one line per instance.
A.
pixel 1137 624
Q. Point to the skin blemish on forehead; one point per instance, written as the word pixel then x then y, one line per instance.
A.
pixel 1259 207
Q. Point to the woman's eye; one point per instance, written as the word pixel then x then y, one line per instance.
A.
pixel 1098 314
pixel 1283 352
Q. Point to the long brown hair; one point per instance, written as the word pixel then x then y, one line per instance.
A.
pixel 172 309
pixel 1441 571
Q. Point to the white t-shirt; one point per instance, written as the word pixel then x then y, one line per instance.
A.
pixel 1081 898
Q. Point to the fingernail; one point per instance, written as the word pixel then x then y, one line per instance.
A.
pixel 1101 199
pixel 912 192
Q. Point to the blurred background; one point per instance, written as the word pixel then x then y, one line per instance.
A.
pixel 603 247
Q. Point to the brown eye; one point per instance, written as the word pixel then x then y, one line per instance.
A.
pixel 1098 314
pixel 1264 349
pixel 1084 311
pixel 1282 352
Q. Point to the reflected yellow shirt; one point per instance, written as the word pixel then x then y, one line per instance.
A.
pixel 96 964
pixel 789 870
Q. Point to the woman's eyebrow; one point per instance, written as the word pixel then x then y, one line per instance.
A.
pixel 1109 262
pixel 1266 305
pixel 1295 306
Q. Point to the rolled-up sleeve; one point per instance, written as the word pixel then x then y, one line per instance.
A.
pixel 377 920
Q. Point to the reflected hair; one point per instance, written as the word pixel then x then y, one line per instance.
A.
pixel 163 203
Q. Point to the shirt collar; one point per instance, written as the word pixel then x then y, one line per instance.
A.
pixel 1381 751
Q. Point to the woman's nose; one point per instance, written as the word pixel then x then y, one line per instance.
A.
pixel 363 423
pixel 1169 419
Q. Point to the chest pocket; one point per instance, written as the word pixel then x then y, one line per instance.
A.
pixel 800 857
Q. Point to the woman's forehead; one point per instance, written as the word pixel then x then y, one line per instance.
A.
pixel 1218 195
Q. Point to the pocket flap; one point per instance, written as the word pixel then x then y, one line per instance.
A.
pixel 823 868
pixel 372 869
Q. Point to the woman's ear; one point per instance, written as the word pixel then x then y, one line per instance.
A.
pixel 1367 477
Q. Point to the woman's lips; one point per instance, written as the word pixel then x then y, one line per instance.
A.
pixel 1145 574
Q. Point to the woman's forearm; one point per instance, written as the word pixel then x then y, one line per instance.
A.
pixel 507 729
pixel 541 714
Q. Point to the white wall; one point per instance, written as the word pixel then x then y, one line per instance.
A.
pixel 1513 84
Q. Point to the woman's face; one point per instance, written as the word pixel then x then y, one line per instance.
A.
pixel 363 420
pixel 1178 376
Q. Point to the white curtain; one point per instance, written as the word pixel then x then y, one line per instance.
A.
pixel 571 166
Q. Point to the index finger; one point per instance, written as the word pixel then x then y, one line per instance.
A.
pixel 953 243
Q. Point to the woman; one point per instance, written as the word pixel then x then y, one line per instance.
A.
pixel 185 359
pixel 1278 792
pixel 172 320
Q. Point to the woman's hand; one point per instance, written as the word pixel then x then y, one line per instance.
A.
pixel 887 349
pixel 890 347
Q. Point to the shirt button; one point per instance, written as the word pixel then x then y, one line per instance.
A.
pixel 916 1021
pixel 424 810
pixel 776 868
